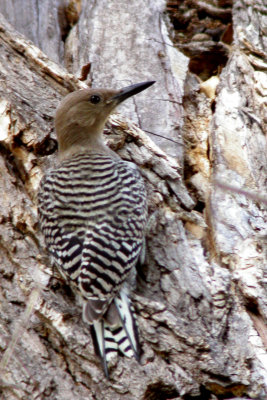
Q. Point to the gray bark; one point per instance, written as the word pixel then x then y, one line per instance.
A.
pixel 39 22
pixel 201 301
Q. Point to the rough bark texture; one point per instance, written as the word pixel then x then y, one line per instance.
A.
pixel 201 297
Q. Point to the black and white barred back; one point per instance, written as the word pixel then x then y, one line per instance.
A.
pixel 92 211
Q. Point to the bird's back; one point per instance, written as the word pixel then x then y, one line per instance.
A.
pixel 92 198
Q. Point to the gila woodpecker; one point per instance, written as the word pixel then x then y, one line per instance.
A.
pixel 92 212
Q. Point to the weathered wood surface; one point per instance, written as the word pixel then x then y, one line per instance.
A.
pixel 201 302
pixel 39 22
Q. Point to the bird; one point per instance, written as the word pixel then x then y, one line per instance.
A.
pixel 92 211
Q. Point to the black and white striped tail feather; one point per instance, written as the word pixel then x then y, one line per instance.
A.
pixel 120 338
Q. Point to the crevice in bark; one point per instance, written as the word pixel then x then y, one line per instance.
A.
pixel 160 390
pixel 205 394
pixel 68 16
pixel 46 147
pixel 202 32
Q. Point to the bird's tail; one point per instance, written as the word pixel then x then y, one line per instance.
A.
pixel 117 332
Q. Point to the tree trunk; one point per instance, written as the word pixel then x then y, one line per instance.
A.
pixel 201 296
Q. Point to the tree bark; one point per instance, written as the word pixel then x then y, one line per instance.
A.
pixel 201 296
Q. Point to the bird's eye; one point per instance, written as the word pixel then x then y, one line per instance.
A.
pixel 95 99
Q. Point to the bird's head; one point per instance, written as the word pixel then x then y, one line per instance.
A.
pixel 81 116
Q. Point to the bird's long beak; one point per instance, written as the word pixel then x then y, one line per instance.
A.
pixel 129 91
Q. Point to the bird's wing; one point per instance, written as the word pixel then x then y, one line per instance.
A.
pixel 65 245
pixel 107 259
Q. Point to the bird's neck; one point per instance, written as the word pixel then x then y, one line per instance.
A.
pixel 94 144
